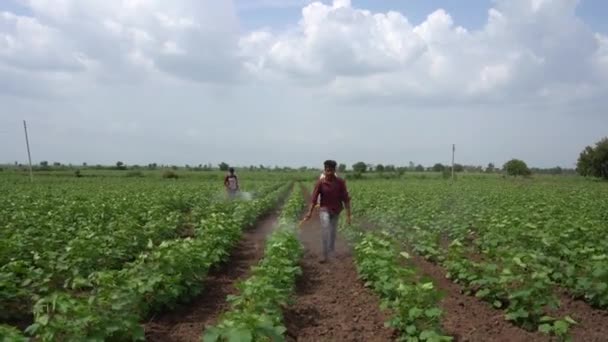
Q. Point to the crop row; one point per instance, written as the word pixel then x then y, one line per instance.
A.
pixel 256 311
pixel 504 243
pixel 412 300
pixel 111 303
pixel 57 241
pixel 66 212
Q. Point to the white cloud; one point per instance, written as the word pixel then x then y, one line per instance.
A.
pixel 337 40
pixel 601 57
pixel 247 5
pixel 125 39
pixel 525 48
pixel 26 43
pixel 178 81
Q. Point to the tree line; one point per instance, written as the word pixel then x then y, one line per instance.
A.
pixel 592 162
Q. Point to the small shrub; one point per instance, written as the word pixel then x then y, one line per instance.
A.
pixel 391 175
pixel 354 175
pixel 183 205
pixel 134 174
pixel 170 175
pixel 516 167
pixel 447 174
pixel 77 174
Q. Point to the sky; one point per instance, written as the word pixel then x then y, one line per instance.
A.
pixel 295 82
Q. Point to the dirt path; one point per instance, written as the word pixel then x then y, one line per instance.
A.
pixel 188 322
pixel 332 304
pixel 468 318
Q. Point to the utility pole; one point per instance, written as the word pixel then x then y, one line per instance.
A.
pixel 453 151
pixel 29 156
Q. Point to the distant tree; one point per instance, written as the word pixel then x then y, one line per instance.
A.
pixel 490 168
pixel 593 161
pixel 224 166
pixel 84 164
pixel 170 175
pixel 516 167
pixel 360 167
pixel 44 165
pixel 152 166
pixel 380 168
pixel 390 168
pixel 584 165
pixel 342 168
pixel 120 165
pixel 56 164
pixel 412 167
pixel 458 167
pixel 473 168
pixel 419 168
pixel 174 167
pixel 438 167
pixel 370 167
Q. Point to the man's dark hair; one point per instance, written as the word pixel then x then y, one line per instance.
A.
pixel 231 170
pixel 330 164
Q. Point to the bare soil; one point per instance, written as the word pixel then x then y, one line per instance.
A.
pixel 468 318
pixel 331 303
pixel 592 323
pixel 187 323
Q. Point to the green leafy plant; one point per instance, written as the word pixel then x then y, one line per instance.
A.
pixel 510 244
pixel 256 311
pixel 11 334
pixel 169 272
pixel 413 301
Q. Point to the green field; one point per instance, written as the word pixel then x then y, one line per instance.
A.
pixel 508 242
pixel 95 256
